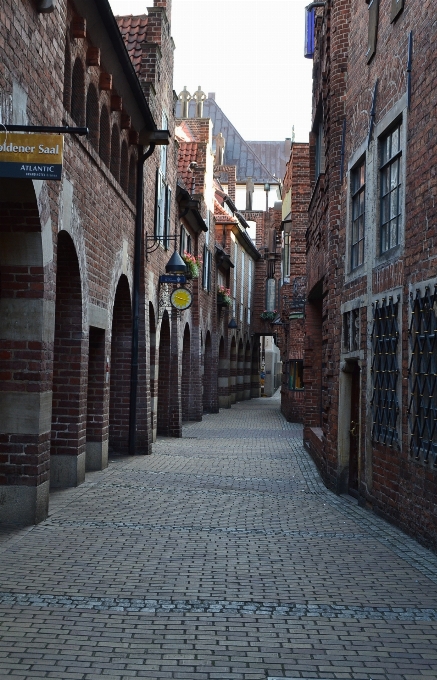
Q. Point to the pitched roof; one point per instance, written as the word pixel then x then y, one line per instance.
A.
pixel 187 153
pixel 134 32
pixel 221 216
pixel 263 161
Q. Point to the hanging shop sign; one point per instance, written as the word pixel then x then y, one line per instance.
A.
pixel 31 155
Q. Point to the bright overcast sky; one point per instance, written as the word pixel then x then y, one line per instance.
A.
pixel 250 53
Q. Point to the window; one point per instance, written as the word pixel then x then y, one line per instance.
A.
pixel 351 331
pixel 385 372
pixel 294 375
pixel 234 291
pixel 162 209
pixel 185 240
pixel 373 29
pixel 249 290
pixel 162 195
pixel 390 189
pixel 207 267
pixel 422 410
pixel 358 175
pixel 286 256
pixel 320 151
pixel 396 8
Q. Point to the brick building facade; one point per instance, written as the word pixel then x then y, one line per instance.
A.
pixel 370 350
pixel 93 359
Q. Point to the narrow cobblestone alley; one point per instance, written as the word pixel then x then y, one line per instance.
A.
pixel 221 556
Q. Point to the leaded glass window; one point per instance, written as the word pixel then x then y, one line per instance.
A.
pixel 422 410
pixel 390 179
pixel 358 215
pixel 385 372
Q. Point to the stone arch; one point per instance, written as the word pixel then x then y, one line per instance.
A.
pixel 105 136
pixel 240 372
pixel 120 369
pixel 132 177
pixel 153 370
pixel 223 376
pixel 78 92
pixel 115 152
pixel 67 77
pixel 26 349
pixel 93 116
pixel 186 374
pixel 233 371
pixel 124 167
pixel 247 371
pixel 209 396
pixel 70 360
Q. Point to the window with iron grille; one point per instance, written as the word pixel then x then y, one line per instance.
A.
pixel 358 186
pixel 422 409
pixel 294 375
pixel 385 372
pixel 390 188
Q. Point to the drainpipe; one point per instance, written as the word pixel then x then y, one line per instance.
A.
pixel 150 138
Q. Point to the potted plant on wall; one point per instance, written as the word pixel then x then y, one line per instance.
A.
pixel 193 263
pixel 223 297
pixel 269 316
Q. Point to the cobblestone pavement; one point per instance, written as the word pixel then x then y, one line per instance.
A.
pixel 221 556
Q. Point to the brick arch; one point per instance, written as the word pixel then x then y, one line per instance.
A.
pixel 208 377
pixel 120 369
pixel 153 369
pixel 164 378
pixel 93 115
pixel 233 371
pixel 68 438
pixel 247 371
pixel 186 374
pixel 240 371
pixel 78 92
pixel 67 76
pixel 124 167
pixel 223 376
pixel 105 136
pixel 26 350
pixel 132 177
pixel 115 151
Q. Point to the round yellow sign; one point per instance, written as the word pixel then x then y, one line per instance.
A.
pixel 181 298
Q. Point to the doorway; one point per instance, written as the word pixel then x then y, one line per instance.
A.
pixel 354 429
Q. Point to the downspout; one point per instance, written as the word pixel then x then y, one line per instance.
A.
pixel 138 246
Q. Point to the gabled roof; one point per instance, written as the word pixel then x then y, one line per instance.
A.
pixel 134 32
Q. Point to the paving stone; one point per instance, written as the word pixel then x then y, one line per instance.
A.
pixel 222 555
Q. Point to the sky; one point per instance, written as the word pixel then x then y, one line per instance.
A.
pixel 250 53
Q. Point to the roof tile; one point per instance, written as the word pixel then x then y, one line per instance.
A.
pixel 134 32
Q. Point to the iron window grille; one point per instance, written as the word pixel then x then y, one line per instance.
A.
pixel 422 409
pixel 385 372
pixel 390 178
pixel 358 180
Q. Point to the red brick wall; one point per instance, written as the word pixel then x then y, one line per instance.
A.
pixel 121 348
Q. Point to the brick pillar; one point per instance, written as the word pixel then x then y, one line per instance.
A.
pixel 209 389
pixel 255 385
pixel 247 372
pixel 313 364
pixel 233 372
pixel 26 352
pixel 121 352
pixel 97 402
pixel 240 373
pixel 68 442
pixel 175 419
pixel 163 378
pixel 224 365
